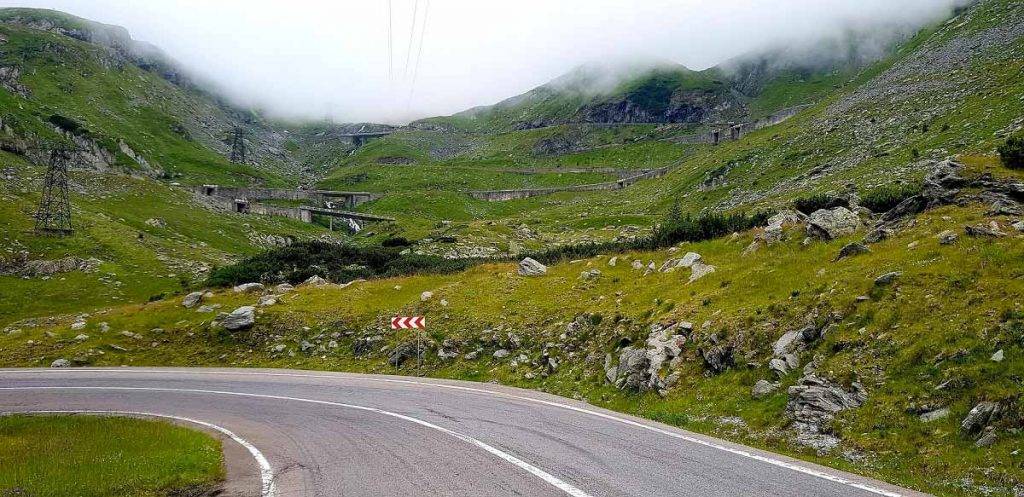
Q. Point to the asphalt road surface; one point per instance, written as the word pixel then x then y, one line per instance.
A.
pixel 300 433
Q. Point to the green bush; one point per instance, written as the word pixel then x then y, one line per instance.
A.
pixel 884 198
pixel 1012 153
pixel 808 205
pixel 337 263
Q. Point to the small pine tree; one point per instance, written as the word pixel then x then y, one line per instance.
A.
pixel 675 213
pixel 1012 153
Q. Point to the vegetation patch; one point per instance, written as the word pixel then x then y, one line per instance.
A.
pixel 338 263
pixel 91 456
pixel 1012 153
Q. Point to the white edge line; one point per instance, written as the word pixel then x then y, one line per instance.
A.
pixel 740 452
pixel 268 488
pixel 534 470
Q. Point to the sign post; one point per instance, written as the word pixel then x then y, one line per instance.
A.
pixel 417 323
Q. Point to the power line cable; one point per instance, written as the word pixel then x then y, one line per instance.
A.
pixel 412 36
pixel 391 50
pixel 419 55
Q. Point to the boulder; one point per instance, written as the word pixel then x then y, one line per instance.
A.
pixel 829 224
pixel 501 353
pixel 590 275
pixel 718 359
pixel 191 300
pixel 529 267
pixel 425 296
pixel 283 288
pixel 934 415
pixel 315 281
pixel 640 369
pixel 638 265
pixel 700 270
pixel 268 300
pixel 402 353
pixel 774 232
pixel 851 249
pixel 685 261
pixel 60 363
pixel 249 288
pixel 980 416
pixel 813 404
pixel 632 373
pixel 947 237
pixel 763 388
pixel 887 278
pixel 1019 226
pixel 982 231
pixel 242 318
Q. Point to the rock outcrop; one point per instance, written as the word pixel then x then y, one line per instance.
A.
pixel 239 319
pixel 829 224
pixel 813 405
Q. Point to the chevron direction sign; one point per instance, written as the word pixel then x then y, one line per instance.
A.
pixel 408 323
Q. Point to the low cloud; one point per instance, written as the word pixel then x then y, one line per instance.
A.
pixel 316 59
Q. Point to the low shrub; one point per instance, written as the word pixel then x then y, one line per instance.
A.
pixel 337 263
pixel 808 205
pixel 884 198
pixel 1012 153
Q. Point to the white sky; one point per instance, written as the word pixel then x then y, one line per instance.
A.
pixel 309 58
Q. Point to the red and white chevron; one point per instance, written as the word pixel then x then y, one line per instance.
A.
pixel 408 323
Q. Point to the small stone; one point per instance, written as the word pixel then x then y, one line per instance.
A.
pixel 60 363
pixel 78 325
pixel 283 288
pixel 590 275
pixel 935 415
pixel 315 281
pixel 501 353
pixel 700 270
pixel 268 300
pixel 948 237
pixel 191 300
pixel 987 439
pixel 82 337
pixel 852 249
pixel 425 296
pixel 613 261
pixel 249 288
pixel 887 278
pixel 998 356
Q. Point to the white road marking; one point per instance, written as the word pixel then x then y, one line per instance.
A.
pixel 680 436
pixel 267 486
pixel 534 470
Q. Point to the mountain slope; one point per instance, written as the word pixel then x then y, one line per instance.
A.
pixel 127 105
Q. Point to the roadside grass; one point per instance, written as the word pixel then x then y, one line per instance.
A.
pixel 950 310
pixel 92 456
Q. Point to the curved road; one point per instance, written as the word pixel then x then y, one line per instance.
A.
pixel 336 434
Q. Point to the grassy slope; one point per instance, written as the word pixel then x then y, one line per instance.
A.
pixel 109 211
pixel 900 343
pixel 56 456
pixel 78 80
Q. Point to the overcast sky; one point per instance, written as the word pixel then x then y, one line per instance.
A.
pixel 308 58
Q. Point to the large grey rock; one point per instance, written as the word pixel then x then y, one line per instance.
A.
pixel 530 267
pixel 829 224
pixel 685 261
pixel 640 369
pixel 980 416
pixel 700 270
pixel 191 300
pixel 775 231
pixel 718 359
pixel 590 275
pixel 60 363
pixel 242 318
pixel 814 403
pixel 249 288
pixel 763 388
pixel 982 231
pixel 852 249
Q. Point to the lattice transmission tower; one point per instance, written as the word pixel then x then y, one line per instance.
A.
pixel 238 145
pixel 54 213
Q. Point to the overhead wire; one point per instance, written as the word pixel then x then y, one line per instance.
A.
pixel 412 36
pixel 419 54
